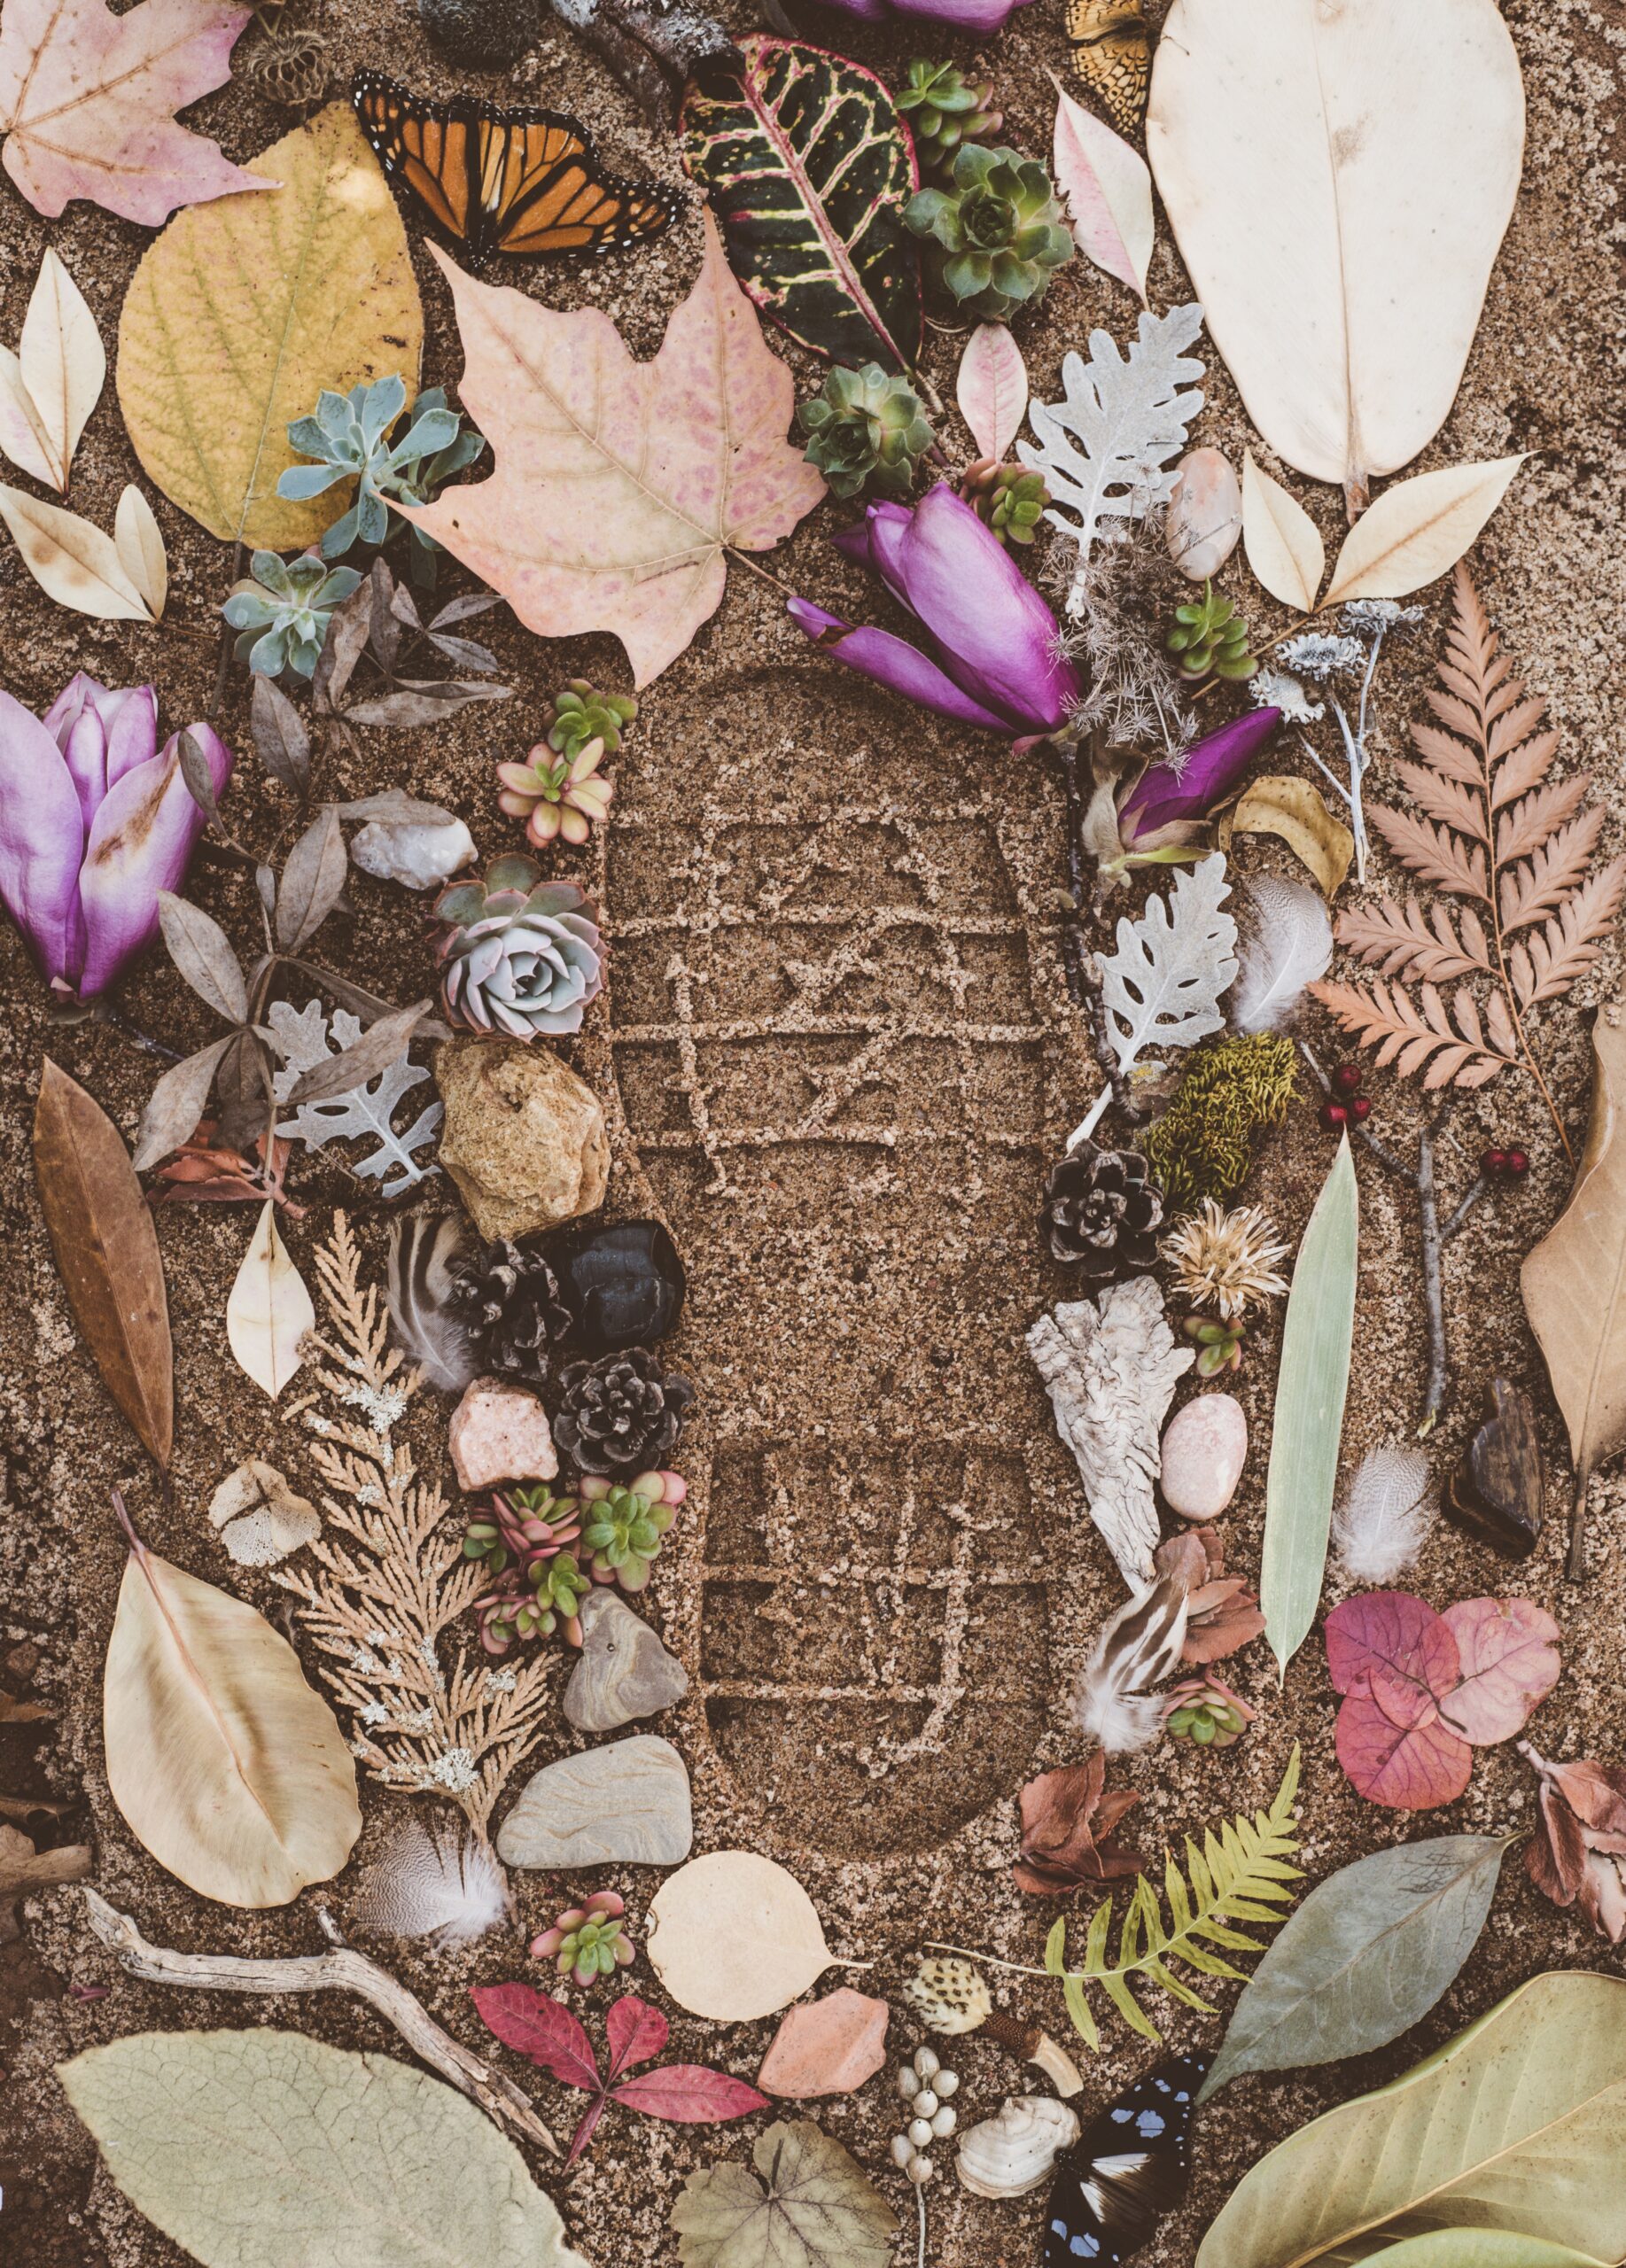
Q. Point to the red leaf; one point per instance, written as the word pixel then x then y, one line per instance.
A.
pixel 583 2134
pixel 1403 1639
pixel 1509 1664
pixel 1408 1767
pixel 635 2031
pixel 689 2095
pixel 541 2029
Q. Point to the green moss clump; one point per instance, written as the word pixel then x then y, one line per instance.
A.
pixel 1202 1145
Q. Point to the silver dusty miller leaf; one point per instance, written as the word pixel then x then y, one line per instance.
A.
pixel 1111 1365
pixel 1105 448
pixel 363 1114
pixel 1162 987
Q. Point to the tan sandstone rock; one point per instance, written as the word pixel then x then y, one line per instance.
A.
pixel 524 1138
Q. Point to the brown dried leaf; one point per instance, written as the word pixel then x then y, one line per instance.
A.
pixel 364 1060
pixel 1547 964
pixel 1446 754
pixel 281 740
pixel 1404 941
pixel 202 954
pixel 176 1104
pixel 313 880
pixel 1526 827
pixel 1529 892
pixel 1432 851
pixel 1446 799
pixel 1068 1822
pixel 1447 1046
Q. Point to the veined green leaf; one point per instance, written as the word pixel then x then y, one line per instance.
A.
pixel 1310 1387
pixel 1468 2249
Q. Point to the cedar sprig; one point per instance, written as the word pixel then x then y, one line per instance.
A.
pixel 1513 845
pixel 380 1605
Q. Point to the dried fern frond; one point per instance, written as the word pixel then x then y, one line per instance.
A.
pixel 1496 832
pixel 381 1603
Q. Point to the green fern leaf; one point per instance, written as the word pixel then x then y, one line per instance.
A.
pixel 1117 1991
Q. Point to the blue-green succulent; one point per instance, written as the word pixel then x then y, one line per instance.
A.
pixel 284 609
pixel 350 438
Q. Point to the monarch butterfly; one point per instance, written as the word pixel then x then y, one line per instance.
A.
pixel 520 181
pixel 1112 49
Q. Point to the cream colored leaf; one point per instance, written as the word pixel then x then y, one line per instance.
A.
pixel 1295 811
pixel 241 312
pixel 991 388
pixel 269 1311
pixel 1338 179
pixel 226 1765
pixel 22 438
pixel 259 1517
pixel 1418 531
pixel 64 364
pixel 733 1937
pixel 70 561
pixel 1107 192
pixel 139 542
pixel 1282 542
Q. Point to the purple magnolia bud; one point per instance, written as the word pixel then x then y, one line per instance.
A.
pixel 980 17
pixel 1184 788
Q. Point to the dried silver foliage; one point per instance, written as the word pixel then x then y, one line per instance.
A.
pixel 362 1114
pixel 1381 1526
pixel 1113 605
pixel 1162 987
pixel 1111 1365
pixel 435 1882
pixel 1290 947
pixel 1114 1704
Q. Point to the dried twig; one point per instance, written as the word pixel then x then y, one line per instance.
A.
pixel 341 1970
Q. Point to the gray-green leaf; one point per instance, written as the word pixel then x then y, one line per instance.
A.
pixel 813 2208
pixel 1469 2248
pixel 259 2149
pixel 1308 1422
pixel 1368 1953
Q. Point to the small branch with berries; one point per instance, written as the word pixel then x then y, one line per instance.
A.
pixel 1346 1106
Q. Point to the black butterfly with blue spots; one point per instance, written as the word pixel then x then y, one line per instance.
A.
pixel 1128 2167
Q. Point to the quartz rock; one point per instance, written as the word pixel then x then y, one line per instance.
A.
pixel 625 1672
pixel 1204 1447
pixel 417 855
pixel 1496 1493
pixel 827 2046
pixel 524 1138
pixel 624 1284
pixel 1205 514
pixel 623 1804
pixel 499 1431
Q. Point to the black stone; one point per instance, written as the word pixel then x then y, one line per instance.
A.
pixel 490 34
pixel 623 1284
pixel 1496 1493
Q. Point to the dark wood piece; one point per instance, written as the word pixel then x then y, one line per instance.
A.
pixel 1496 1493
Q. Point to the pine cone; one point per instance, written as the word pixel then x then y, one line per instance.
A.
pixel 621 1414
pixel 509 1298
pixel 1102 1210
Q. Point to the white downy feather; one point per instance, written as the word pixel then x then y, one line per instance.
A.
pixel 439 1883
pixel 1385 1515
pixel 422 1254
pixel 1137 1649
pixel 1291 946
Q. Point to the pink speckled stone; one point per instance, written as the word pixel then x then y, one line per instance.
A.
pixel 499 1431
pixel 827 2046
pixel 1205 1445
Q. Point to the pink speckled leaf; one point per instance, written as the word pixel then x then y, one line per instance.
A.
pixel 619 484
pixel 1403 1640
pixel 1509 1664
pixel 1408 1767
pixel 991 388
pixel 88 102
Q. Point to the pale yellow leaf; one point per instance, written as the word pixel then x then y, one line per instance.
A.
pixel 1282 542
pixel 733 1937
pixel 70 561
pixel 1418 531
pixel 242 310
pixel 139 543
pixel 22 438
pixel 64 364
pixel 1293 809
pixel 227 1766
pixel 269 1311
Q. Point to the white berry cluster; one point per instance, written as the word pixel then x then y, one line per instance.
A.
pixel 926 2086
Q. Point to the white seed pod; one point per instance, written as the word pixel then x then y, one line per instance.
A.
pixel 943 2120
pixel 903 2150
pixel 924 2104
pixel 919 2170
pixel 1016 2150
pixel 919 2132
pixel 908 2085
pixel 925 2062
pixel 947 2083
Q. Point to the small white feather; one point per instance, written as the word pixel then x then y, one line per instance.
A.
pixel 1137 1649
pixel 1291 946
pixel 421 1255
pixel 439 1883
pixel 1385 1515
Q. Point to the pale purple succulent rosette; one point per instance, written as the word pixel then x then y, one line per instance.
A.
pixel 1169 799
pixel 990 655
pixel 95 820
pixel 980 17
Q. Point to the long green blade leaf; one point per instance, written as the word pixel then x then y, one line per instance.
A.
pixel 1310 1387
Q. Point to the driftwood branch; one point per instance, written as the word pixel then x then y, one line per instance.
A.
pixel 342 1969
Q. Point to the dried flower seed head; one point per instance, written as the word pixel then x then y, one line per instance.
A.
pixel 949 1995
pixel 1227 1261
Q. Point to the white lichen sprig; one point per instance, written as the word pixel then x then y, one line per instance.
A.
pixel 379 1605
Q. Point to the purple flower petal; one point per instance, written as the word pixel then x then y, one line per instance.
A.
pixel 978 16
pixel 42 842
pixel 1188 786
pixel 102 732
pixel 893 662
pixel 141 842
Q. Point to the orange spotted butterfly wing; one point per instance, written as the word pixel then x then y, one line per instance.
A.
pixel 518 182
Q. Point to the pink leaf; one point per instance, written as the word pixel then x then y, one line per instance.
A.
pixel 635 2031
pixel 583 2134
pixel 1399 1640
pixel 991 388
pixel 1408 1768
pixel 1509 1664
pixel 541 2029
pixel 1108 192
pixel 88 102
pixel 689 2095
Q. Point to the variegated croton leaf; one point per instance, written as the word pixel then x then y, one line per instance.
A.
pixel 808 168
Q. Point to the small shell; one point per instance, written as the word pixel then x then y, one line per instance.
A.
pixel 1012 2153
pixel 1205 514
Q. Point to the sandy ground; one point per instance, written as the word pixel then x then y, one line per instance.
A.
pixel 885 1578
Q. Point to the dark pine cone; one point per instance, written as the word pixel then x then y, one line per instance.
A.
pixel 509 1298
pixel 620 1413
pixel 1102 1210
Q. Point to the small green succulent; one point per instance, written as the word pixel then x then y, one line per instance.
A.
pixel 946 109
pixel 865 430
pixel 1210 638
pixel 579 715
pixel 283 609
pixel 1219 1345
pixel 349 437
pixel 1007 497
pixel 589 1941
pixel 996 233
pixel 623 1534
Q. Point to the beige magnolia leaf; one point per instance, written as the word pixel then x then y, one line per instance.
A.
pixel 1338 179
pixel 733 1937
pixel 72 562
pixel 991 388
pixel 1418 531
pixel 618 486
pixel 48 388
pixel 1293 810
pixel 139 542
pixel 242 310
pixel 226 1765
pixel 22 438
pixel 1282 543
pixel 269 1311
pixel 1107 192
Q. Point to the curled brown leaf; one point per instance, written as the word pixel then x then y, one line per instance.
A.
pixel 1068 1822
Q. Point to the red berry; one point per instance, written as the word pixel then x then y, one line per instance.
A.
pixel 1518 1163
pixel 1334 1115
pixel 1494 1161
pixel 1347 1079
pixel 1360 1109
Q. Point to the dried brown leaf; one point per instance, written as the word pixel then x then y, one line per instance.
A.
pixel 1446 799
pixel 176 1104
pixel 1432 851
pixel 1529 892
pixel 1545 965
pixel 202 954
pixel 353 1067
pixel 1453 759
pixel 312 879
pixel 1403 940
pixel 281 740
pixel 1068 1819
pixel 1446 1045
pixel 1528 825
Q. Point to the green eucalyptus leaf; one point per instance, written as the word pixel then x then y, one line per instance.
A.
pixel 1368 1953
pixel 1515 2125
pixel 262 2149
pixel 1308 1421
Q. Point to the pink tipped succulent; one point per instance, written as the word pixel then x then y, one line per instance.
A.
pixel 590 1940
pixel 557 795
pixel 623 1523
pixel 1205 1710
